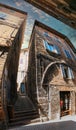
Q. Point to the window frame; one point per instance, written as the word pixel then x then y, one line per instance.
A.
pixel 67 54
pixel 69 74
pixel 54 48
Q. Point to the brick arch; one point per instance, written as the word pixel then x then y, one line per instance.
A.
pixel 48 66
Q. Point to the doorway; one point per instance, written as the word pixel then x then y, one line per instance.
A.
pixel 22 89
pixel 65 103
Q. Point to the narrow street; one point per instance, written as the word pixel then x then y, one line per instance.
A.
pixel 64 125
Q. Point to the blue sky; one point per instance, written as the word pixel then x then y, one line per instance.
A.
pixel 36 14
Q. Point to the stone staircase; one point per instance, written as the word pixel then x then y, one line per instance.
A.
pixel 24 112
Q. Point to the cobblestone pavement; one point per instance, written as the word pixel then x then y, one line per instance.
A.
pixel 64 125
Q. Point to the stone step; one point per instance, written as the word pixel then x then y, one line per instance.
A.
pixel 22 109
pixel 30 116
pixel 24 113
pixel 32 110
pixel 23 104
pixel 23 118
pixel 19 123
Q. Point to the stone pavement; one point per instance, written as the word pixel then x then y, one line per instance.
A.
pixel 63 125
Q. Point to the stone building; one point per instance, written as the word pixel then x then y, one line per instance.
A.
pixel 12 25
pixel 22 68
pixel 51 75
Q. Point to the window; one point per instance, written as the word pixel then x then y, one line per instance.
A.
pixel 22 88
pixel 52 48
pixel 67 53
pixel 46 34
pixel 57 48
pixel 70 72
pixel 67 72
pixel 57 39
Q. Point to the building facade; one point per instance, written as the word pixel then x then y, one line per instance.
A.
pixel 22 69
pixel 10 45
pixel 51 75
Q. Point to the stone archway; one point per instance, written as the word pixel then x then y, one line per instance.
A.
pixel 48 66
pixel 49 82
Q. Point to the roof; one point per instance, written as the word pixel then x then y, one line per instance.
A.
pixel 63 10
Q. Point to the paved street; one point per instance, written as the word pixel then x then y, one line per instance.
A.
pixel 64 125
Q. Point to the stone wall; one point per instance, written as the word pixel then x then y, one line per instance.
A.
pixel 31 74
pixel 48 91
pixel 72 102
pixel 55 103
pixel 9 76
pixel 53 76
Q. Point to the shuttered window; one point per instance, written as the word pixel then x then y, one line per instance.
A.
pixel 67 54
pixel 70 72
pixel 67 72
pixel 52 48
